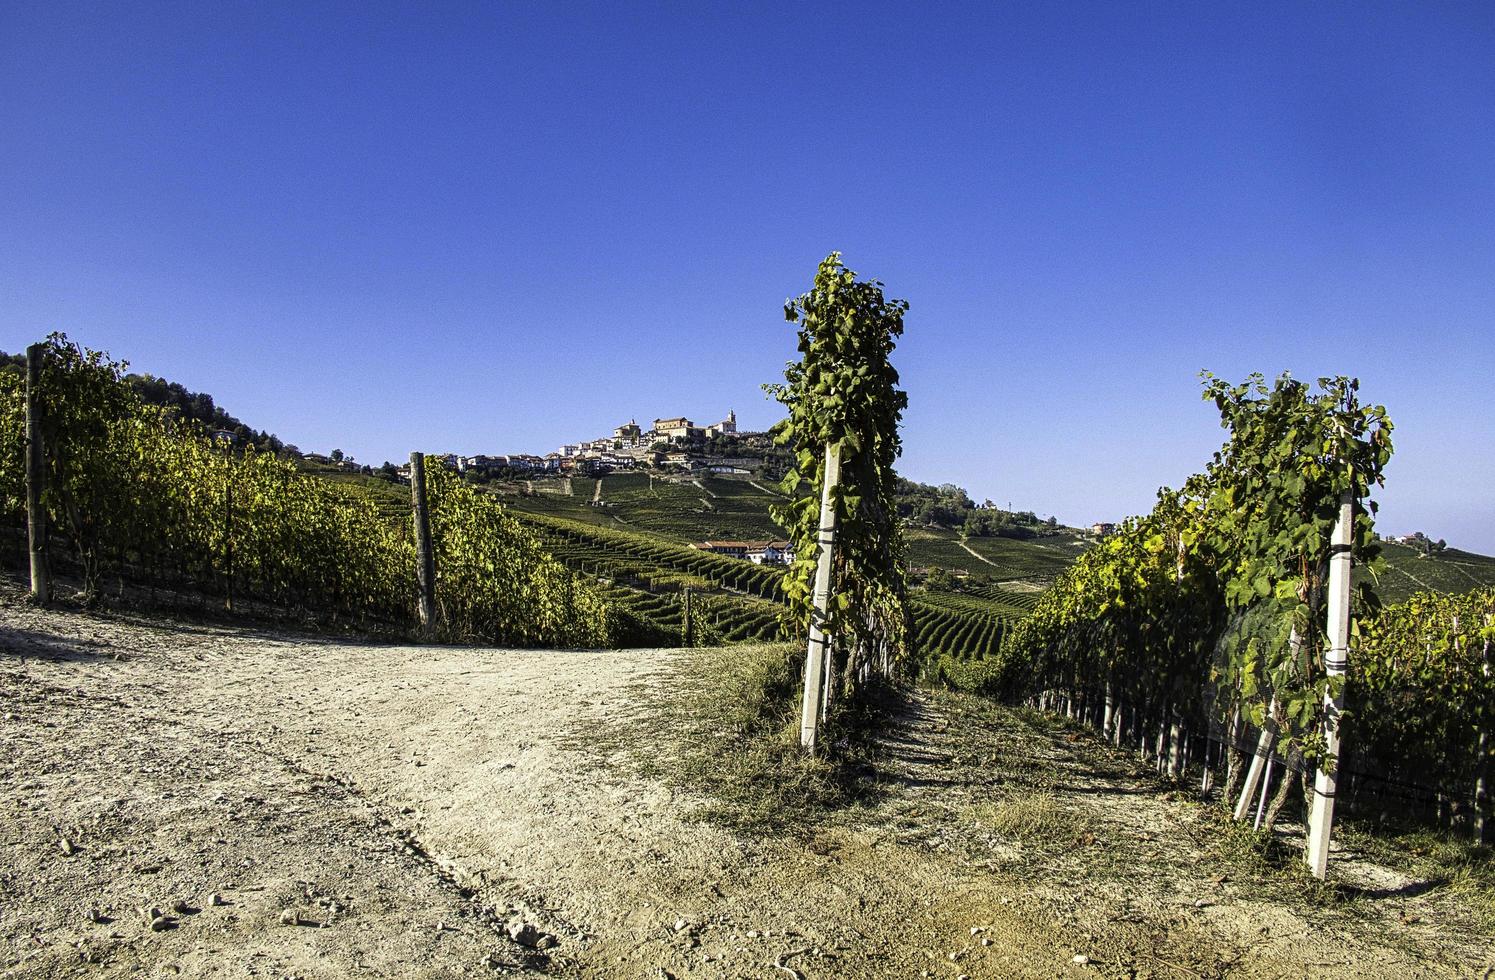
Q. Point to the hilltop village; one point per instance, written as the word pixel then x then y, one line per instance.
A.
pixel 670 443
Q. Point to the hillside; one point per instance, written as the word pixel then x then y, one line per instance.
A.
pixel 1408 570
pixel 693 510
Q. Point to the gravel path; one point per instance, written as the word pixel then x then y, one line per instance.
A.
pixel 299 807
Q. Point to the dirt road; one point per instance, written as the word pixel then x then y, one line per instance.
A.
pixel 301 807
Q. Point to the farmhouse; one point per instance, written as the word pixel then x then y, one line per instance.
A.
pixel 1100 530
pixel 757 552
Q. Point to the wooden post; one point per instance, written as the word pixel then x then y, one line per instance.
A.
pixel 36 478
pixel 687 631
pixel 228 536
pixel 828 683
pixel 425 556
pixel 1481 779
pixel 1336 659
pixel 817 651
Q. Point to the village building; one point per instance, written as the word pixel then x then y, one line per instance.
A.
pixel 726 427
pixel 674 430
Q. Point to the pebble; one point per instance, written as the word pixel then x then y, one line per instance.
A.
pixel 67 847
pixel 752 934
pixel 94 915
pixel 161 923
pixel 216 899
pixel 681 925
pixel 985 941
pixel 290 917
pixel 525 934
pixel 181 907
pixel 1081 959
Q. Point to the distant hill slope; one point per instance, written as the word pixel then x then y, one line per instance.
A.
pixel 1408 571
pixel 683 512
pixel 732 508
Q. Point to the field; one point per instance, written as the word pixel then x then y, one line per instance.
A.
pixel 682 510
pixel 1408 571
pixel 298 807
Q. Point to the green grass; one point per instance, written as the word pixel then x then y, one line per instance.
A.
pixel 673 508
pixel 1037 560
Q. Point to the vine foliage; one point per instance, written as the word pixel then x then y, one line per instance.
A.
pixel 844 392
pixel 139 496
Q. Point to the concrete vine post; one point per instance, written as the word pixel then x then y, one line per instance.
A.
pixel 1265 745
pixel 36 478
pixel 1336 660
pixel 425 555
pixel 817 653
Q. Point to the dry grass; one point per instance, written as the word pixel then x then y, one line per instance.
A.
pixel 1031 817
pixel 739 748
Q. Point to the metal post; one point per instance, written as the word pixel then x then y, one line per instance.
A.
pixel 816 653
pixel 425 557
pixel 36 478
pixel 1336 659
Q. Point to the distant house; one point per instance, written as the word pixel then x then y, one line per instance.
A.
pixel 1102 529
pixel 770 553
pixel 757 552
pixel 629 433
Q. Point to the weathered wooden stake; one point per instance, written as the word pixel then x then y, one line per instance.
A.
pixel 36 478
pixel 1482 823
pixel 687 627
pixel 425 556
pixel 1336 659
pixel 817 651
pixel 228 539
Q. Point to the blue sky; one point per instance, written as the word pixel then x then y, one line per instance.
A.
pixel 504 226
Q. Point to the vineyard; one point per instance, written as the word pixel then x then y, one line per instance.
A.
pixel 1197 634
pixel 1187 634
pixel 746 601
pixel 134 496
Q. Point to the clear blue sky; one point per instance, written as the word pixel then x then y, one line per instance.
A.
pixel 506 226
